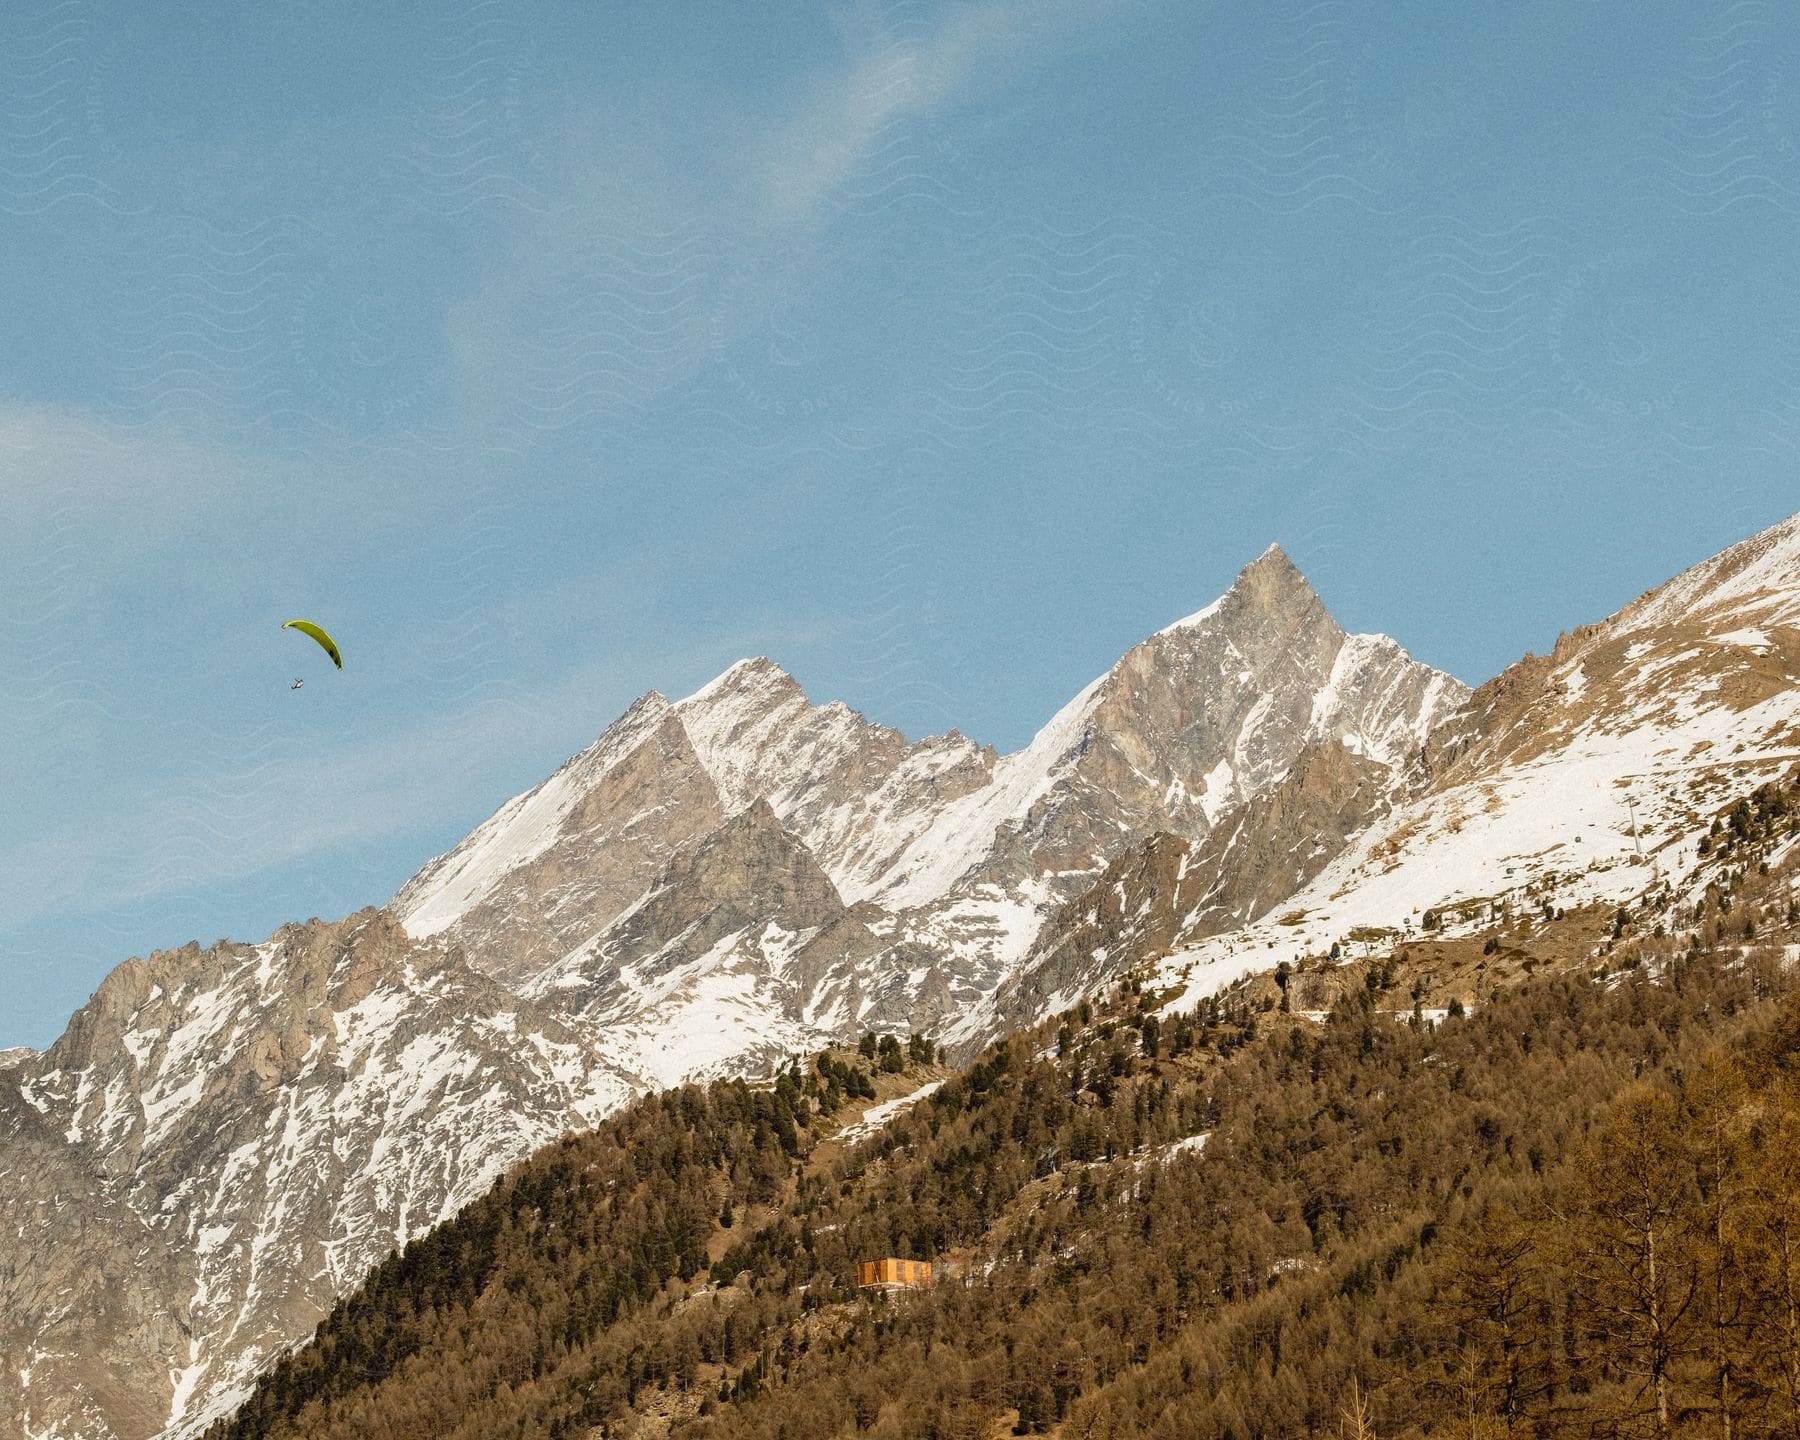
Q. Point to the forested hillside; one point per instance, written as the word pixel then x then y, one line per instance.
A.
pixel 1572 1210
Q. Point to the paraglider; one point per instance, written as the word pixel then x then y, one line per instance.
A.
pixel 306 627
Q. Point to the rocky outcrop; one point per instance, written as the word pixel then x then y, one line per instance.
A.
pixel 224 1140
pixel 749 888
pixel 1168 892
pixel 86 1320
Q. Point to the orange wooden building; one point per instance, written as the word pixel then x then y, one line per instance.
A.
pixel 902 1274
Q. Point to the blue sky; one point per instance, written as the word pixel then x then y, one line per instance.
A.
pixel 554 353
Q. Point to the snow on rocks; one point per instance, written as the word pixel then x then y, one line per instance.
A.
pixel 519 831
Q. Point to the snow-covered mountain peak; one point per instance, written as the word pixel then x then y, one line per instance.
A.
pixel 1199 717
pixel 754 679
pixel 742 720
pixel 853 791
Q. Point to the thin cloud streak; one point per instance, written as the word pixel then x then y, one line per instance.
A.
pixel 968 52
pixel 53 458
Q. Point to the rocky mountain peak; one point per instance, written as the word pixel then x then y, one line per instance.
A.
pixel 1199 718
pixel 1271 572
pixel 853 791
pixel 1221 703
pixel 554 866
pixel 651 704
pixel 1269 585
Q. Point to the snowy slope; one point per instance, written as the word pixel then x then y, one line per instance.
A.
pixel 1571 826
pixel 1372 706
pixel 855 793
pixel 962 832
pixel 1753 581
pixel 520 831
pixel 1586 776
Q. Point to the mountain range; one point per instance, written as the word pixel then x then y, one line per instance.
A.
pixel 224 1141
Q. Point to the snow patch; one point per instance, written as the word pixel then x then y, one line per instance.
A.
pixel 877 1116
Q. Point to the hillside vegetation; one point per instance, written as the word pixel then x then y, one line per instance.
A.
pixel 1574 1210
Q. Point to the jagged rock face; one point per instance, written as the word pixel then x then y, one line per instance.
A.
pixel 747 872
pixel 1201 719
pixel 1168 892
pixel 740 955
pixel 708 956
pixel 1262 853
pixel 553 869
pixel 1217 709
pixel 86 1321
pixel 969 853
pixel 1129 915
pixel 225 1140
pixel 854 793
pixel 557 865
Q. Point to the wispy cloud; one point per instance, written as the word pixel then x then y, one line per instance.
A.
pixel 90 507
pixel 966 53
pixel 55 461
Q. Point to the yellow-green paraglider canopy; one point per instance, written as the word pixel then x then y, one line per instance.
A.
pixel 307 627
